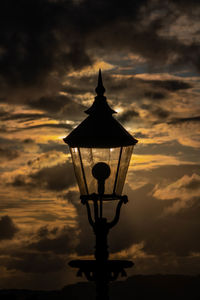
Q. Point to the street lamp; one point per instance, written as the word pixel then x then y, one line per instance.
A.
pixel 101 150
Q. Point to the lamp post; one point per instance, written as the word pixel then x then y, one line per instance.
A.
pixel 101 150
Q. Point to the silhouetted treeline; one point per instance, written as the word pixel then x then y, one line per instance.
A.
pixel 139 287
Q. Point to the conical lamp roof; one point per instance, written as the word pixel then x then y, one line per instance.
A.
pixel 100 129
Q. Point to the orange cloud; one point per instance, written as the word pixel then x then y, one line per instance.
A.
pixel 185 190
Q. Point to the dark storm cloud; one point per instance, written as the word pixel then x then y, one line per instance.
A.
pixel 48 125
pixel 189 7
pixel 45 125
pixel 156 111
pixel 7 228
pixel 47 251
pixel 142 218
pixel 51 145
pixel 57 106
pixel 176 233
pixel 23 117
pixel 32 45
pixel 61 105
pixel 128 115
pixel 54 178
pixel 3 113
pixel 172 148
pixel 58 242
pixel 13 148
pixel 28 141
pixel 44 231
pixel 31 262
pixel 185 120
pixel 170 85
pixel 128 87
pixel 140 135
pixel 6 115
pixel 160 113
pixel 8 154
pixel 154 95
pixel 86 238
pixel 166 172
pixel 13 144
pixel 193 184
pixel 42 38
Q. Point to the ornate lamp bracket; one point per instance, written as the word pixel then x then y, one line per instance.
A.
pixel 95 198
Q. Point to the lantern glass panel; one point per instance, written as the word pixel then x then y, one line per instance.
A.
pixel 123 168
pixel 78 170
pixel 92 156
pixel 84 160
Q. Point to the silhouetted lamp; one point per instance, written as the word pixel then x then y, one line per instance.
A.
pixel 101 150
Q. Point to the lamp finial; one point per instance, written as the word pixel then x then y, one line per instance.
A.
pixel 100 90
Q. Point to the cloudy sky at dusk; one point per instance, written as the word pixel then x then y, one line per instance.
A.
pixel 50 54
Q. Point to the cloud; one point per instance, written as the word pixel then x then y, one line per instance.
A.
pixel 43 251
pixel 44 125
pixel 56 107
pixel 155 90
pixel 186 186
pixel 143 221
pixel 128 115
pixel 8 154
pixel 33 54
pixel 22 116
pixel 31 51
pixel 49 125
pixel 49 56
pixel 30 146
pixel 56 241
pixel 184 190
pixel 155 95
pixel 171 85
pixel 156 112
pixel 49 159
pixel 148 162
pixel 55 178
pixel 170 148
pixel 60 106
pixel 30 262
pixel 53 146
pixel 185 120
pixel 140 135
pixel 7 228
pixel 86 238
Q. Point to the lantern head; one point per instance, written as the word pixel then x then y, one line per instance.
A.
pixel 101 149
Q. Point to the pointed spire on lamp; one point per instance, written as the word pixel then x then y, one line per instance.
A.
pixel 100 106
pixel 100 90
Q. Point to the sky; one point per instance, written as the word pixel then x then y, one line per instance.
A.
pixel 50 54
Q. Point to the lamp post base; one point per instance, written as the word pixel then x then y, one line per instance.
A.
pixel 101 273
pixel 101 270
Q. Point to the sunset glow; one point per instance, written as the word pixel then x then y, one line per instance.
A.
pixel 148 52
